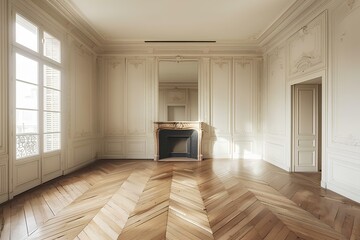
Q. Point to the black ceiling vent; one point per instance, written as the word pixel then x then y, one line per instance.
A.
pixel 180 41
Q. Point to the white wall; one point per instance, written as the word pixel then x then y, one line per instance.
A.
pixel 81 106
pixel 300 53
pixel 129 107
pixel 343 150
pixel 274 101
pixel 228 103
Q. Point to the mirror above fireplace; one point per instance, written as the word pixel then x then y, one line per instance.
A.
pixel 178 90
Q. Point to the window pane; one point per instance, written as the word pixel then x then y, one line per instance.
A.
pixel 27 145
pixel 51 142
pixel 26 95
pixel 52 48
pixel 51 100
pixel 26 69
pixel 26 33
pixel 51 122
pixel 52 78
pixel 26 121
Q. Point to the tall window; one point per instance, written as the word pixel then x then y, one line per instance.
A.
pixel 38 89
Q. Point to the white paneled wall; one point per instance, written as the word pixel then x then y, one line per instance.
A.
pixel 230 111
pixel 128 103
pixel 246 108
pixel 220 108
pixel 303 55
pixel 275 108
pixel 82 91
pixel 343 152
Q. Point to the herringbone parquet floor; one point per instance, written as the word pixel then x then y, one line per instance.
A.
pixel 213 199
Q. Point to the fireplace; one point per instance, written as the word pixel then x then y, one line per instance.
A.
pixel 178 143
pixel 178 140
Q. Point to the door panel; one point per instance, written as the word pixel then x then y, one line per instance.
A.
pixel 305 128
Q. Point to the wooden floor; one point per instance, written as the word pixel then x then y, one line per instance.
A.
pixel 213 199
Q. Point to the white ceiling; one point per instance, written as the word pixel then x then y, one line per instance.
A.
pixel 180 20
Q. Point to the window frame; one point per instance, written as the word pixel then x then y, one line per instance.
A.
pixel 42 60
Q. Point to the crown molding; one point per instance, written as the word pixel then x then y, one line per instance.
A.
pixel 309 11
pixel 252 47
pixel 186 49
pixel 294 11
pixel 71 14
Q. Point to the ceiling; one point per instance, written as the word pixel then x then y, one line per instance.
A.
pixel 180 20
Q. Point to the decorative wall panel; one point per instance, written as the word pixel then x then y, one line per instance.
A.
pixel 307 47
pixel 343 174
pixel 136 96
pixel 82 86
pixel 221 148
pixel 243 149
pixel 135 147
pixel 83 104
pixel 114 147
pixel 275 154
pixel 194 103
pixel 114 98
pixel 276 85
pixel 221 95
pixel 83 152
pixel 346 72
pixel 243 97
pixel 128 96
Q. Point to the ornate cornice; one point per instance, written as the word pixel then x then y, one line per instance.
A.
pixel 301 11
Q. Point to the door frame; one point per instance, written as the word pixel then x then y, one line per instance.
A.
pixel 324 111
pixel 295 112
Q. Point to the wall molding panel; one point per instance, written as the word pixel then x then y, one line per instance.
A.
pixel 82 89
pixel 343 174
pixel 275 153
pixel 114 101
pixel 220 98
pixel 243 97
pixel 276 92
pixel 83 92
pixel 345 82
pixel 128 94
pixel 307 48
